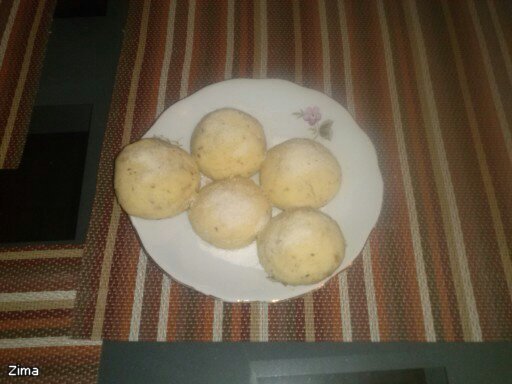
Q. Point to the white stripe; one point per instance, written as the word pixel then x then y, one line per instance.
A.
pixel 501 39
pixel 99 315
pixel 189 45
pixel 138 297
pixel 264 39
pixel 373 316
pixel 218 315
pixel 36 296
pixel 447 182
pixel 505 128
pixel 367 263
pixel 37 342
pixel 347 66
pixel 7 30
pixel 230 40
pixel 263 308
pixel 163 313
pixel 346 324
pixel 169 42
pixel 298 42
pixel 326 57
pixel 309 317
pixel 406 176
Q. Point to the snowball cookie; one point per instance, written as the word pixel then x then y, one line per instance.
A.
pixel 155 179
pixel 301 246
pixel 228 142
pixel 230 213
pixel 300 173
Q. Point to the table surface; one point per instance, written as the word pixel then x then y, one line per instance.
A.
pixel 435 100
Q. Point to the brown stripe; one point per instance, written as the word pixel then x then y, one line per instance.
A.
pixel 21 125
pixel 103 204
pixel 13 59
pixel 38 275
pixel 393 261
pixel 441 289
pixel 485 111
pixel 50 254
pixel 151 303
pixel 338 91
pixel 57 364
pixel 507 58
pixel 110 248
pixel 358 304
pixel 244 39
pixel 327 312
pixel 36 305
pixel 504 10
pixel 123 273
pixel 25 66
pixel 260 39
pixel 444 183
pixel 236 325
pixel 311 45
pixel 190 315
pixel 492 297
pixel 40 323
pixel 484 169
pixel 178 54
pixel 209 54
pixel 149 81
pixel 500 80
pixel 5 7
pixel 286 321
pixel 281 40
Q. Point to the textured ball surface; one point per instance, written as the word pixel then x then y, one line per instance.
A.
pixel 227 143
pixel 230 213
pixel 300 173
pixel 301 246
pixel 155 179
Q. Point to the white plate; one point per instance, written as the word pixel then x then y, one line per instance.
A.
pixel 236 275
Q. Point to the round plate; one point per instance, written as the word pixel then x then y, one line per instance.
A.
pixel 237 275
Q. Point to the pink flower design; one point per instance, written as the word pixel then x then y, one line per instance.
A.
pixel 312 115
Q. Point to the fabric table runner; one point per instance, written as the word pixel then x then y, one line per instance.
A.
pixel 24 30
pixel 428 81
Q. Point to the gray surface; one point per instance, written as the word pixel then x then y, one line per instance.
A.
pixel 465 363
pixel 79 68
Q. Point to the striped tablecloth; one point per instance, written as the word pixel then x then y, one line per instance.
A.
pixel 24 29
pixel 428 81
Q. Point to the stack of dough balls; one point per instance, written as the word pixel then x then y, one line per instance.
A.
pixel 155 179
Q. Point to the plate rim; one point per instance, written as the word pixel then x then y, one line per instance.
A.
pixel 316 286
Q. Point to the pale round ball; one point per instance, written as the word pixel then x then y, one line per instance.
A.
pixel 300 173
pixel 230 213
pixel 155 179
pixel 227 143
pixel 301 246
